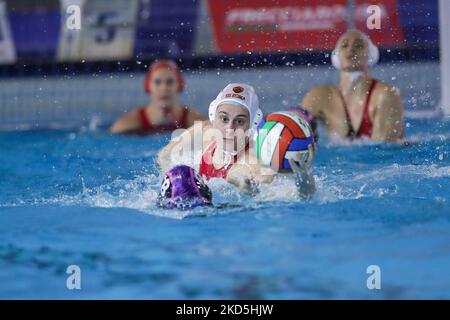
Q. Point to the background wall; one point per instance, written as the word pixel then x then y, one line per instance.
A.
pixel 186 28
pixel 62 78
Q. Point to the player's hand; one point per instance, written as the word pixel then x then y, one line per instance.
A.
pixel 311 155
pixel 246 184
pixel 304 179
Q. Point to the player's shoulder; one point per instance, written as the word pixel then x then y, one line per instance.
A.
pixel 386 88
pixel 321 94
pixel 323 90
pixel 132 115
pixel 318 98
pixel 387 97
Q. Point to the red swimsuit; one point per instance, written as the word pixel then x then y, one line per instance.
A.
pixel 207 169
pixel 148 128
pixel 365 129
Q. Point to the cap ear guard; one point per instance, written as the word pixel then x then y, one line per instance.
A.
pixel 258 117
pixel 205 191
pixel 373 52
pixel 256 120
pixel 165 191
pixel 212 111
pixel 335 59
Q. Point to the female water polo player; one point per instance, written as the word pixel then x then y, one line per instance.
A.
pixel 164 112
pixel 359 106
pixel 220 148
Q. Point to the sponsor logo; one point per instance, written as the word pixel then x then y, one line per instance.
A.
pixel 290 18
pixel 238 89
pixel 235 95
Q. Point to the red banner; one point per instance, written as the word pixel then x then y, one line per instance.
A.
pixel 287 25
pixel 390 34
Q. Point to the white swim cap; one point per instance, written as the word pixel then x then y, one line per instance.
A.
pixel 243 95
pixel 374 52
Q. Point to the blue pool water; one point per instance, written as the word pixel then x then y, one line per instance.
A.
pixel 86 198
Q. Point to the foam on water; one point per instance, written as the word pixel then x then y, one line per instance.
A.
pixel 140 193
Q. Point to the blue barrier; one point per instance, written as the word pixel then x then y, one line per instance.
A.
pixel 35 34
pixel 420 22
pixel 162 32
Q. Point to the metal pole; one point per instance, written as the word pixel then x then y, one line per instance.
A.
pixel 351 15
pixel 444 30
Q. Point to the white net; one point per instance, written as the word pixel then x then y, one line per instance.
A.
pixel 70 102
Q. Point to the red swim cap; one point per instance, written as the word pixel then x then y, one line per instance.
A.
pixel 161 64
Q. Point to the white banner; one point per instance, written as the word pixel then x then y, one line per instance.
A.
pixel 107 30
pixel 444 28
pixel 69 39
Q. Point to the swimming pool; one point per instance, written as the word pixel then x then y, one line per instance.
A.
pixel 86 198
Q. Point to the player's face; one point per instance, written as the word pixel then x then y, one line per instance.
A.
pixel 164 85
pixel 233 122
pixel 353 52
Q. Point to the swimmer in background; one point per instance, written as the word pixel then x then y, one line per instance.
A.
pixel 164 112
pixel 359 106
pixel 224 149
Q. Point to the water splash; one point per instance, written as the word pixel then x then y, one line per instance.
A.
pixel 140 192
